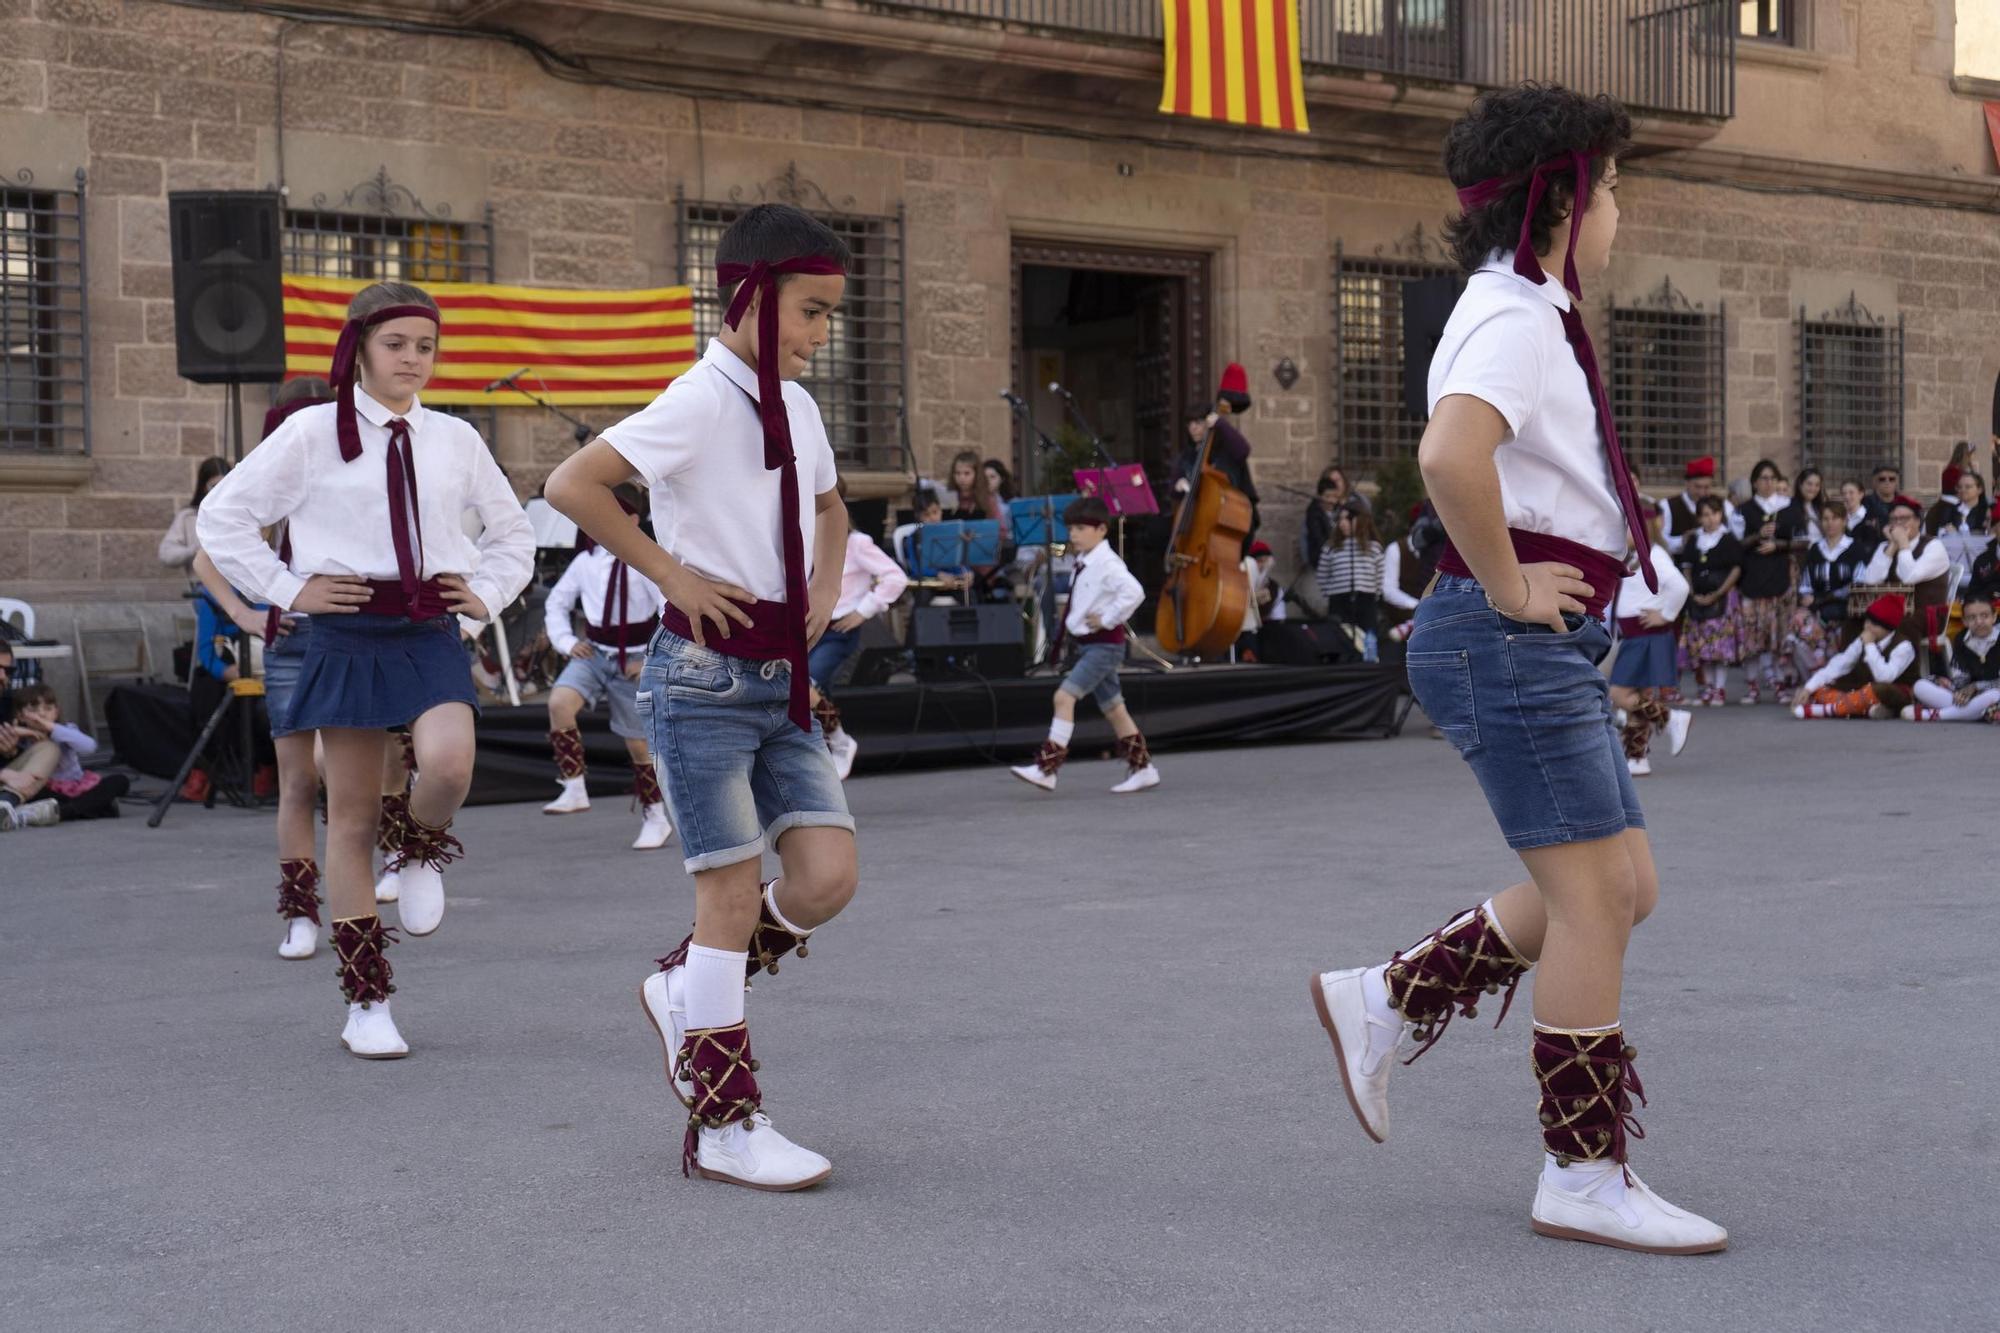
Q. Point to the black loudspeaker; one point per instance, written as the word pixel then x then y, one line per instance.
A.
pixel 983 640
pixel 1427 304
pixel 229 303
pixel 1307 643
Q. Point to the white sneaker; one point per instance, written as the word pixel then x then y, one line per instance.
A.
pixel 389 887
pixel 301 939
pixel 1139 780
pixel 1678 722
pixel 654 832
pixel 753 1154
pixel 1343 1012
pixel 1032 774
pixel 573 800
pixel 843 747
pixel 1641 767
pixel 30 814
pixel 421 906
pixel 660 995
pixel 1799 711
pixel 1628 1217
pixel 371 1034
pixel 1879 713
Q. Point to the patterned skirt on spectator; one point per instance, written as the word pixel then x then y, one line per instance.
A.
pixel 1715 640
pixel 1763 622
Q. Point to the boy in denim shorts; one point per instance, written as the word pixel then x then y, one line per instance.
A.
pixel 749 537
pixel 1102 596
pixel 1522 460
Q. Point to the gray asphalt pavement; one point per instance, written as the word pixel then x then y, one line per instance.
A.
pixel 1059 1052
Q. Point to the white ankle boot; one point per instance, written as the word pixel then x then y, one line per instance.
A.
pixel 421 904
pixel 371 1034
pixel 666 1009
pixel 1364 1040
pixel 389 887
pixel 753 1154
pixel 655 830
pixel 301 939
pixel 1590 1201
pixel 1678 722
pixel 573 799
pixel 1139 779
pixel 1032 774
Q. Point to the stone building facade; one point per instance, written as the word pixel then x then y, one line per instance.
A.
pixel 1852 189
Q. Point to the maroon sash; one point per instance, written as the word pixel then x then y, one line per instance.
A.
pixel 768 637
pixel 1602 572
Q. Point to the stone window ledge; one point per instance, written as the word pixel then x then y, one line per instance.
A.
pixel 1986 90
pixel 1753 51
pixel 36 472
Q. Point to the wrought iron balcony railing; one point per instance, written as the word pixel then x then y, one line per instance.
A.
pixel 1672 56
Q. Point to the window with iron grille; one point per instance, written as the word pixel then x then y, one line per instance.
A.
pixel 857 378
pixel 44 357
pixel 1372 302
pixel 1667 381
pixel 379 231
pixel 1850 391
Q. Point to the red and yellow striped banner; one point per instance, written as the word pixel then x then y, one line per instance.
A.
pixel 1235 60
pixel 581 348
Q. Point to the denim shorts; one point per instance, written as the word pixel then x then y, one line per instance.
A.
pixel 1528 709
pixel 1096 674
pixel 598 678
pixel 282 661
pixel 737 772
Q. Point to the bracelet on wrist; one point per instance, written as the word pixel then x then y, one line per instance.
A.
pixel 1527 588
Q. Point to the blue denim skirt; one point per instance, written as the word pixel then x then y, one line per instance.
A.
pixel 1646 663
pixel 372 672
pixel 1529 711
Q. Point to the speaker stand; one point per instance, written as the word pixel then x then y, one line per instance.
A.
pixel 235 422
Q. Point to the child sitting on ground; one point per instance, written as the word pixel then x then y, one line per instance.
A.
pixel 78 792
pixel 1872 676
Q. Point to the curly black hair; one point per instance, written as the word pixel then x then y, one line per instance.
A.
pixel 1514 130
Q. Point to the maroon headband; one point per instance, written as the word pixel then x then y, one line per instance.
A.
pixel 1493 190
pixel 762 278
pixel 346 354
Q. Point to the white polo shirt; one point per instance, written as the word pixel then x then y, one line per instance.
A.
pixel 700 449
pixel 1504 345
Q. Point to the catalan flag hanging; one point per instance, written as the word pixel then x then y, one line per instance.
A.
pixel 1235 60
pixel 580 348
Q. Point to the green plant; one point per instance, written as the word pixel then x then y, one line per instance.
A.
pixel 1399 484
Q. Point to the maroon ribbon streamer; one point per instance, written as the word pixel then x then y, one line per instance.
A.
pixel 761 278
pixel 403 508
pixel 346 360
pixel 614 604
pixel 1488 192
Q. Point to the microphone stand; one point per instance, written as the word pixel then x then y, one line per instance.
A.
pixel 581 430
pixel 1047 446
pixel 1096 440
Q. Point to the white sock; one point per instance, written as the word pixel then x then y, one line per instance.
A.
pixel 771 901
pixel 714 981
pixel 1601 1180
pixel 1493 920
pixel 1060 731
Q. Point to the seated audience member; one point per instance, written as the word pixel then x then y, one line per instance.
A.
pixel 1985 577
pixel 1908 556
pixel 78 793
pixel 1871 677
pixel 26 760
pixel 1862 525
pixel 1970 687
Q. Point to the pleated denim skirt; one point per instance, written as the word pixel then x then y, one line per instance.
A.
pixel 371 672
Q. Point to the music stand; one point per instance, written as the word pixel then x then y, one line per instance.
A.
pixel 1124 490
pixel 959 545
pixel 1037 521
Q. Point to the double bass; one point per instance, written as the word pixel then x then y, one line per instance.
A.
pixel 1202 603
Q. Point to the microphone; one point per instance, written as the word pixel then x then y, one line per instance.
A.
pixel 1013 399
pixel 1054 387
pixel 506 381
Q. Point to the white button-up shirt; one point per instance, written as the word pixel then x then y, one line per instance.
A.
pixel 1908 566
pixel 585 584
pixel 339 510
pixel 1635 598
pixel 1102 586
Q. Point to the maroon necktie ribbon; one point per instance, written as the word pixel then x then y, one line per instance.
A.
pixel 761 278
